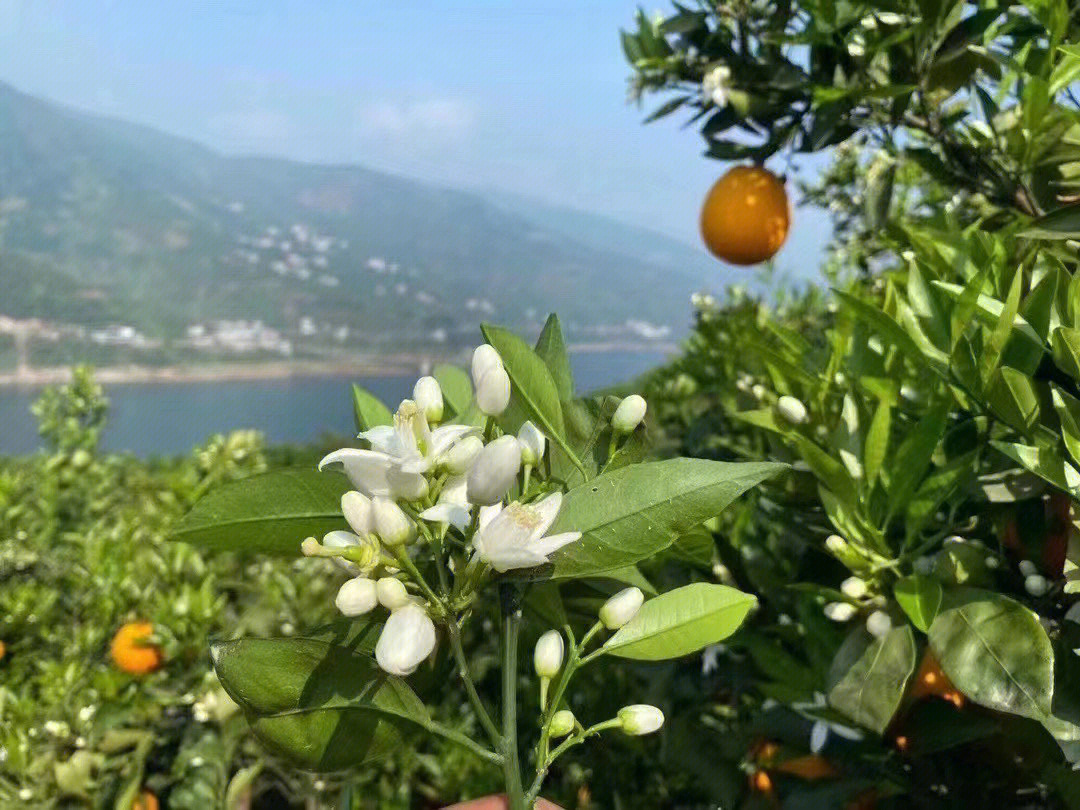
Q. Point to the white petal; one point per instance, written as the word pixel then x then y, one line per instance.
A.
pixel 547 545
pixel 548 509
pixel 340 539
pixel 407 638
pixel 366 469
pixel 488 514
pixel 819 735
pixel 454 514
pixel 442 438
pixel 846 732
pixel 381 438
pixel 507 559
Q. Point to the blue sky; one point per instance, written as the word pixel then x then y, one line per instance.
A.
pixel 525 96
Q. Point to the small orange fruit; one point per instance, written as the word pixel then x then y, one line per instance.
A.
pixel 746 216
pixel 931 680
pixel 760 781
pixel 131 653
pixel 3 650
pixel 810 767
pixel 145 801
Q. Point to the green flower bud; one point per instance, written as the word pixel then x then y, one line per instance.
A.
pixel 640 719
pixel 562 723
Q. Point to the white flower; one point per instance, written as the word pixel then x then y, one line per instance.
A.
pixel 562 723
pixel 459 459
pixel 629 414
pixel 548 655
pixel 840 611
pixel 878 624
pixel 621 608
pixel 407 638
pixel 429 398
pixel 513 536
pixel 640 719
pixel 1036 585
pixel 533 443
pixel 819 732
pixel 356 597
pixel 493 472
pixel 853 587
pixel 399 454
pixel 791 410
pixel 857 46
pixel 391 593
pixel 716 85
pixel 452 507
pixel 391 524
pixel 490 379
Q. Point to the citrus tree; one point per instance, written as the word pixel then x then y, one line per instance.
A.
pixel 915 646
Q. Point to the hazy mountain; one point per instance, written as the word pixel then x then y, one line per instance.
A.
pixel 103 221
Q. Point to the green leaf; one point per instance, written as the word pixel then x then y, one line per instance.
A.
pixel 1013 398
pixel 680 622
pixel 869 676
pixel 534 395
pixel 552 350
pixel 1068 411
pixel 919 597
pixel 368 411
pixel 995 651
pixel 912 459
pixel 1065 345
pixel 269 514
pixel 631 513
pixel 989 311
pixel 877 441
pixel 1062 223
pixel 894 333
pixel 456 387
pixel 1045 463
pixel 323 706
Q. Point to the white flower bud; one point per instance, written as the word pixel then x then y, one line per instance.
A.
pixel 629 414
pixel 1036 585
pixel 840 611
pixel 548 655
pixel 356 597
pixel 391 524
pixel 310 547
pixel 391 593
pixel 460 457
pixel 493 391
pixel 640 719
pixel 562 723
pixel 485 358
pixel 853 587
pixel 1028 568
pixel 878 624
pixel 429 398
pixel 621 608
pixel 792 410
pixel 533 443
pixel 494 471
pixel 407 638
pixel 356 507
pixel 836 544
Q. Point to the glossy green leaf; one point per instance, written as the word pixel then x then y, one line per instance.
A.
pixel 680 622
pixel 869 675
pixel 877 441
pixel 995 651
pixel 1062 223
pixel 368 411
pixel 552 350
pixel 1068 411
pixel 1045 463
pixel 920 598
pixel 269 514
pixel 1013 398
pixel 534 394
pixel 632 513
pixel 1065 345
pixel 456 387
pixel 912 458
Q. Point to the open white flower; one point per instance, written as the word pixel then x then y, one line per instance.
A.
pixel 513 536
pixel 400 454
pixel 407 639
pixel 452 507
pixel 716 85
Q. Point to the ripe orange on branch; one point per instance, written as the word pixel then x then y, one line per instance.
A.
pixel 746 216
pixel 145 801
pixel 130 651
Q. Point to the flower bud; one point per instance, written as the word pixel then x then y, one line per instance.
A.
pixel 629 414
pixel 1036 585
pixel 429 398
pixel 532 444
pixel 310 547
pixel 840 611
pixel 494 471
pixel 391 593
pixel 356 507
pixel 391 524
pixel 548 655
pixel 562 723
pixel 640 719
pixel 878 624
pixel 853 587
pixel 792 410
pixel 407 638
pixel 356 596
pixel 1028 568
pixel 460 457
pixel 621 608
pixel 485 358
pixel 493 391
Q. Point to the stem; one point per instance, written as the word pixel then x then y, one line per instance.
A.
pixel 574 739
pixel 465 742
pixel 511 768
pixel 470 687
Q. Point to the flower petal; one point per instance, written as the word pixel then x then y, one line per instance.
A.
pixel 366 469
pixel 454 514
pixel 507 559
pixel 553 543
pixel 381 438
pixel 443 438
pixel 548 509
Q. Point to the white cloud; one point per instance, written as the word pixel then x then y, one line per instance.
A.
pixel 444 117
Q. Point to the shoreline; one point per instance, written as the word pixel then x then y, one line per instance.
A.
pixel 239 371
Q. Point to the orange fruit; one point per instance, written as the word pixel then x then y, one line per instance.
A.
pixel 746 216
pixel 760 781
pixel 3 650
pixel 131 653
pixel 931 680
pixel 810 767
pixel 145 801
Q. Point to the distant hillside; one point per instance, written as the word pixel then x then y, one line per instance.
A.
pixel 105 222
